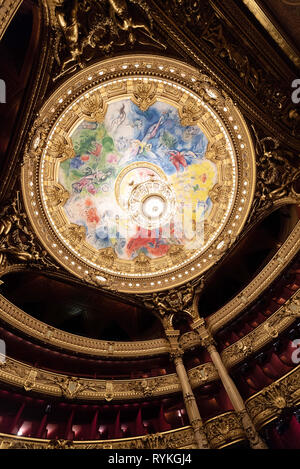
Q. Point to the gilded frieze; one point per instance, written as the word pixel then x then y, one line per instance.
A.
pixel 71 387
pixel 264 333
pixel 182 438
pixel 269 403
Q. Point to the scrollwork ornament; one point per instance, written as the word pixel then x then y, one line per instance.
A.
pixel 275 398
pixel 71 386
pixel 60 444
pixel 189 340
pixel 175 301
pixel 144 93
pixel 278 174
pixel 190 113
pixel 93 107
pixel 145 386
pixel 61 147
pixel 36 141
pixel 224 430
pixel 18 244
pixel 176 354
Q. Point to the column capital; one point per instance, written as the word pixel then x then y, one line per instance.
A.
pixel 176 354
pixel 205 336
pixel 175 301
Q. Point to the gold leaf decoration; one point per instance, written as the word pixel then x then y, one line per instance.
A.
pixel 190 113
pixel 107 257
pixel 144 94
pixel 94 107
pixel 75 233
pixel 57 195
pixel 142 263
pixel 61 147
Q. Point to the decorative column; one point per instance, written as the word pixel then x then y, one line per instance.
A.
pixel 190 401
pixel 179 301
pixel 207 341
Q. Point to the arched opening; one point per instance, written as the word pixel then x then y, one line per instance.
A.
pixel 250 255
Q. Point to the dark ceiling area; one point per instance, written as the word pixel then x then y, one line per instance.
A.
pixel 17 62
pixel 287 14
pixel 78 309
pixel 250 255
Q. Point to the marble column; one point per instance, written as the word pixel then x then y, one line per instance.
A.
pixel 190 401
pixel 236 399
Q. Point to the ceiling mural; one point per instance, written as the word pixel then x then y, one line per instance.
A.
pixel 133 178
pixel 140 182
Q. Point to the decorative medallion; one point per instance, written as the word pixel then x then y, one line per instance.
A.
pixel 139 173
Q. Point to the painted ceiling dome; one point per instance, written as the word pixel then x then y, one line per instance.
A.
pixel 139 174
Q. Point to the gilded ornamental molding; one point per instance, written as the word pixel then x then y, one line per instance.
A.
pixel 8 9
pixel 264 333
pixel 268 404
pixel 210 40
pixel 30 378
pixel 70 387
pixel 182 438
pixel 18 244
pixel 222 431
pixel 269 26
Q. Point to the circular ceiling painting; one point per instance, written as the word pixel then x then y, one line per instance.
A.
pixel 139 173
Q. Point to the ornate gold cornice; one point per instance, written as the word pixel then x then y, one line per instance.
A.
pixel 264 333
pixel 204 34
pixel 18 374
pixel 273 30
pixel 255 288
pixel 182 438
pixel 8 9
pixel 268 404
